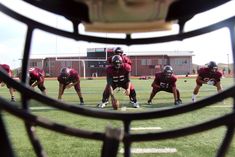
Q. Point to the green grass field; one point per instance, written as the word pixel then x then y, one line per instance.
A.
pixel 57 145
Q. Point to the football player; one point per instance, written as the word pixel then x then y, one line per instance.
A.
pixel 118 75
pixel 119 51
pixel 208 75
pixel 165 81
pixel 67 78
pixel 37 78
pixel 7 69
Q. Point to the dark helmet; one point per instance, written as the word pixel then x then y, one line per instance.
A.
pixel 118 51
pixel 64 73
pixel 212 66
pixel 117 61
pixel 168 70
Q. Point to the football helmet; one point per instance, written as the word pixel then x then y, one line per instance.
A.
pixel 168 70
pixel 118 51
pixel 117 61
pixel 32 73
pixel 212 66
pixel 64 73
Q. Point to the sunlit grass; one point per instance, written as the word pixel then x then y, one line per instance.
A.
pixel 56 145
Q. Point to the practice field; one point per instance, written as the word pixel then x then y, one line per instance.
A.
pixel 57 145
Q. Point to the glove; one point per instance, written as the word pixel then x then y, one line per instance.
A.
pixel 178 102
pixel 210 82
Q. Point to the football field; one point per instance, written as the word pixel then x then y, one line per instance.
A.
pixel 57 145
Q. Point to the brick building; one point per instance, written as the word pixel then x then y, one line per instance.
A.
pixel 146 63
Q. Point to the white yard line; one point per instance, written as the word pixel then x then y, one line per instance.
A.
pixel 41 108
pixel 150 150
pixel 222 106
pixel 146 128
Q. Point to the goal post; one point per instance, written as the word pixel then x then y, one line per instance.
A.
pixel 95 58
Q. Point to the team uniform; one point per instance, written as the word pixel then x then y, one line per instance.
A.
pixel 125 59
pixel 119 51
pixel 165 82
pixel 69 77
pixel 37 78
pixel 119 77
pixel 208 75
pixel 8 70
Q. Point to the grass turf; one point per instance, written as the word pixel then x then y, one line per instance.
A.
pixel 56 145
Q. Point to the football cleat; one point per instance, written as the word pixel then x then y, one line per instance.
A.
pixel 13 100
pixel 102 105
pixel 194 99
pixel 149 102
pixel 178 102
pixel 136 105
pixel 81 103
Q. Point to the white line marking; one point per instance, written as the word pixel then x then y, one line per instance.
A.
pixel 146 128
pixel 222 106
pixel 150 150
pixel 41 108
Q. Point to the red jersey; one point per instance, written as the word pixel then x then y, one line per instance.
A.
pixel 165 82
pixel 36 74
pixel 119 76
pixel 125 59
pixel 207 74
pixel 70 76
pixel 6 67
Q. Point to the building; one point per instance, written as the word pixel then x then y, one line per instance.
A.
pixel 143 64
pixel 149 62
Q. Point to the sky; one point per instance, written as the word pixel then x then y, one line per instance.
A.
pixel 213 46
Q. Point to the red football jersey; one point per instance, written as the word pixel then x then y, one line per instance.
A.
pixel 71 76
pixel 207 74
pixel 125 59
pixel 165 82
pixel 119 76
pixel 36 74
pixel 6 67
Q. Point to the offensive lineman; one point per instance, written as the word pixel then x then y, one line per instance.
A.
pixel 208 75
pixel 165 81
pixel 37 78
pixel 7 69
pixel 67 78
pixel 118 75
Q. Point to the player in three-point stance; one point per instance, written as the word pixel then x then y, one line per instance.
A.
pixel 165 81
pixel 125 59
pixel 118 75
pixel 7 69
pixel 208 75
pixel 67 78
pixel 37 78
